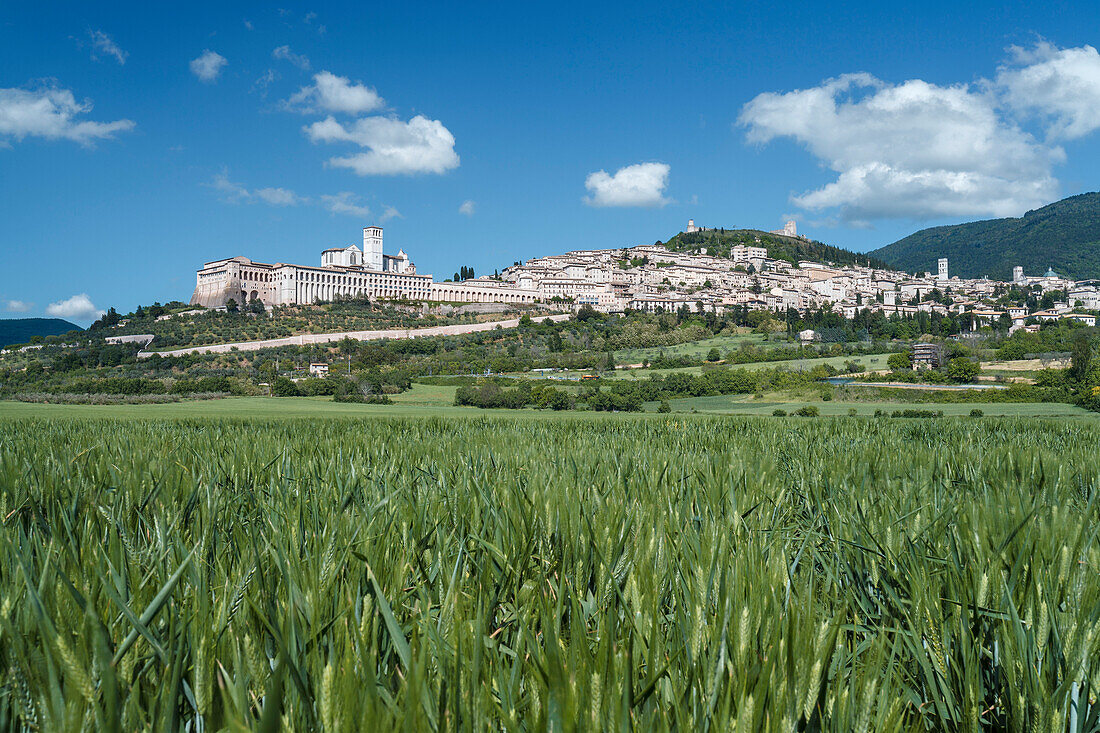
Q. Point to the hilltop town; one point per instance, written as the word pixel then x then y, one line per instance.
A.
pixel 653 278
pixel 656 278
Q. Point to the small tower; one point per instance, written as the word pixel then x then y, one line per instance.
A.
pixel 691 226
pixel 1017 274
pixel 941 272
pixel 372 248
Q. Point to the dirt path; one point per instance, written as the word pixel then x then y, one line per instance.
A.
pixel 305 339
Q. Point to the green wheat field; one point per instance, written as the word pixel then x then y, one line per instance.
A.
pixel 464 573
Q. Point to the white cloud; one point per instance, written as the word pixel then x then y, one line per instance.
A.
pixel 236 193
pixel 18 306
pixel 284 53
pixel 908 150
pixel 468 207
pixel 345 203
pixel 331 93
pixel 277 196
pixel 77 308
pixel 104 44
pixel 50 113
pixel 1060 86
pixel 395 147
pixel 642 184
pixel 264 81
pixel 208 66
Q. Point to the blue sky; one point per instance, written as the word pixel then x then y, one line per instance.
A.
pixel 139 140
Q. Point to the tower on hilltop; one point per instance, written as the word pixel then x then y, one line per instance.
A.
pixel 789 230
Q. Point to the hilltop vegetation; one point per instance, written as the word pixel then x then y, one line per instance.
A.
pixel 718 242
pixel 1064 235
pixel 177 325
pixel 588 341
pixel 22 330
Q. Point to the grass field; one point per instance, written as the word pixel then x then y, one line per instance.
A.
pixel 652 573
pixel 871 362
pixel 692 348
pixel 243 407
pixel 747 405
pixel 425 400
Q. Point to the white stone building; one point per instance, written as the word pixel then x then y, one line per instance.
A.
pixel 344 272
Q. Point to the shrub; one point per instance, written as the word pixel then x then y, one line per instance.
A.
pixel 807 411
pixel 615 401
pixel 664 407
pixel 492 396
pixel 314 386
pixel 976 413
pixel 202 384
pixel 115 385
pixel 961 369
pixel 779 412
pixel 899 361
pixel 910 412
pixel 283 387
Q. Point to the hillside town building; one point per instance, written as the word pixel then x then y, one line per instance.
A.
pixel 649 278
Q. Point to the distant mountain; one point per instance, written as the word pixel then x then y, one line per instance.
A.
pixel 719 242
pixel 1064 235
pixel 22 330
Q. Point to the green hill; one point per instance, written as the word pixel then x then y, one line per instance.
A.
pixel 1064 235
pixel 22 330
pixel 718 242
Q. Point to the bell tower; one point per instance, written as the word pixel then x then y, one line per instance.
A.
pixel 372 248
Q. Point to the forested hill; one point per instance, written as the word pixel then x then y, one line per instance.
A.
pixel 1064 235
pixel 22 330
pixel 718 242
